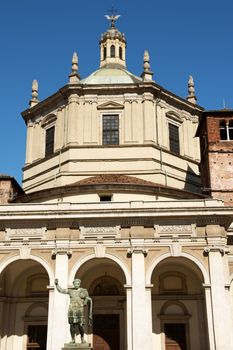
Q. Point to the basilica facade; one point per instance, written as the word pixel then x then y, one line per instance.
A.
pixel 129 188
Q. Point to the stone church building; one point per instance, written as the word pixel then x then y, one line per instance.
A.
pixel 128 187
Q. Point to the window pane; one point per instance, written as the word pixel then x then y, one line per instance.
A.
pixel 112 51
pixel 120 53
pixel 49 142
pixel 111 129
pixel 223 131
pixel 174 138
pixel 230 127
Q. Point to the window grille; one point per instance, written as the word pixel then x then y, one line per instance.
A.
pixel 111 129
pixel 49 141
pixel 174 142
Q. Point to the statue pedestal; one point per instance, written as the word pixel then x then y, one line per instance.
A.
pixel 77 346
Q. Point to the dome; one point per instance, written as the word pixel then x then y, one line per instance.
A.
pixel 111 74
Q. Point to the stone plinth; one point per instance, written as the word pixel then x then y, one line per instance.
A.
pixel 76 346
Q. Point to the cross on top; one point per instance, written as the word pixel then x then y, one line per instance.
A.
pixel 112 11
pixel 113 16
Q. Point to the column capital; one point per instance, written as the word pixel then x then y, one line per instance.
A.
pixel 147 96
pixel 61 251
pixel 137 250
pixel 73 98
pixel 214 248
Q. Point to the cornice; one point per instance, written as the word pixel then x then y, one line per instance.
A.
pixel 81 89
pixel 202 212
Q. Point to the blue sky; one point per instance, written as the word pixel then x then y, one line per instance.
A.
pixel 38 39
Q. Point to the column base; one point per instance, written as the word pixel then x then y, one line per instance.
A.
pixel 77 346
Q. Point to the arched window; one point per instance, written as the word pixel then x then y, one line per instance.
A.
pixel 112 51
pixel 120 53
pixel 105 53
pixel 223 130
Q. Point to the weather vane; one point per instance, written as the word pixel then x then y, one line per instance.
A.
pixel 113 16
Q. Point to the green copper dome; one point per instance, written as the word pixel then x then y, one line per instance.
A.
pixel 111 74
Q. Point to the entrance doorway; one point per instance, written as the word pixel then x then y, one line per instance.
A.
pixel 37 336
pixel 175 336
pixel 106 332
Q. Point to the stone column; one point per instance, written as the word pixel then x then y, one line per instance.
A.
pixel 141 320
pixel 58 322
pixel 221 311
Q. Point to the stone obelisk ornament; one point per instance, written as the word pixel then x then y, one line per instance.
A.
pixel 79 298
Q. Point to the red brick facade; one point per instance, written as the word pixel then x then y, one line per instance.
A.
pixel 217 154
pixel 9 189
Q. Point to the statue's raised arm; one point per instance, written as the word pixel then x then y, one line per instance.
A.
pixel 59 288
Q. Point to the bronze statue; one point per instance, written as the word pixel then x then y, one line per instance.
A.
pixel 79 298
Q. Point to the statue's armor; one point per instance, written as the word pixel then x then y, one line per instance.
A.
pixel 76 307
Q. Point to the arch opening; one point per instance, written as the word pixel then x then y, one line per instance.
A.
pixel 105 280
pixel 178 305
pixel 24 298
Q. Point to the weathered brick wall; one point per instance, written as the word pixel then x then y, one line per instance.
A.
pixel 213 134
pixel 216 159
pixel 221 170
pixel 6 190
pixel 220 162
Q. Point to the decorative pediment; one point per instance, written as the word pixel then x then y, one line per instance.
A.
pixel 49 119
pixel 175 116
pixel 110 105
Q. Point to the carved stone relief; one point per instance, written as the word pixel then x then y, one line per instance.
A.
pixel 25 233
pixel 99 232
pixel 175 230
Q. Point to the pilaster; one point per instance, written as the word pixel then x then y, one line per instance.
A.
pixel 148 117
pixel 58 321
pixel 72 119
pixel 129 316
pixel 141 319
pixel 221 311
pixel 59 130
pixel 39 143
pixel 28 159
pixel 127 121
